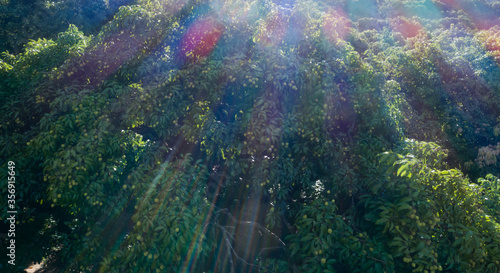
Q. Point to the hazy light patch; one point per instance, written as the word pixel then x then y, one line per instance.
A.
pixel 478 12
pixel 236 12
pixel 173 7
pixel 426 10
pixel 272 30
pixel 361 9
pixel 482 22
pixel 336 25
pixel 118 48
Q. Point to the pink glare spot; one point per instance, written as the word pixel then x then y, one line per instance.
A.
pixel 407 28
pixel 336 25
pixel 201 38
pixel 450 3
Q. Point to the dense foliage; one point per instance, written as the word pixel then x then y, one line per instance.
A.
pixel 252 136
pixel 24 20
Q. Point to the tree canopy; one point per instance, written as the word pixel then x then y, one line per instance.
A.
pixel 252 136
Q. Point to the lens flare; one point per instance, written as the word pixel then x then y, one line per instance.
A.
pixel 201 38
pixel 408 28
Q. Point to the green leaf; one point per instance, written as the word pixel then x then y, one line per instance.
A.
pixel 402 170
